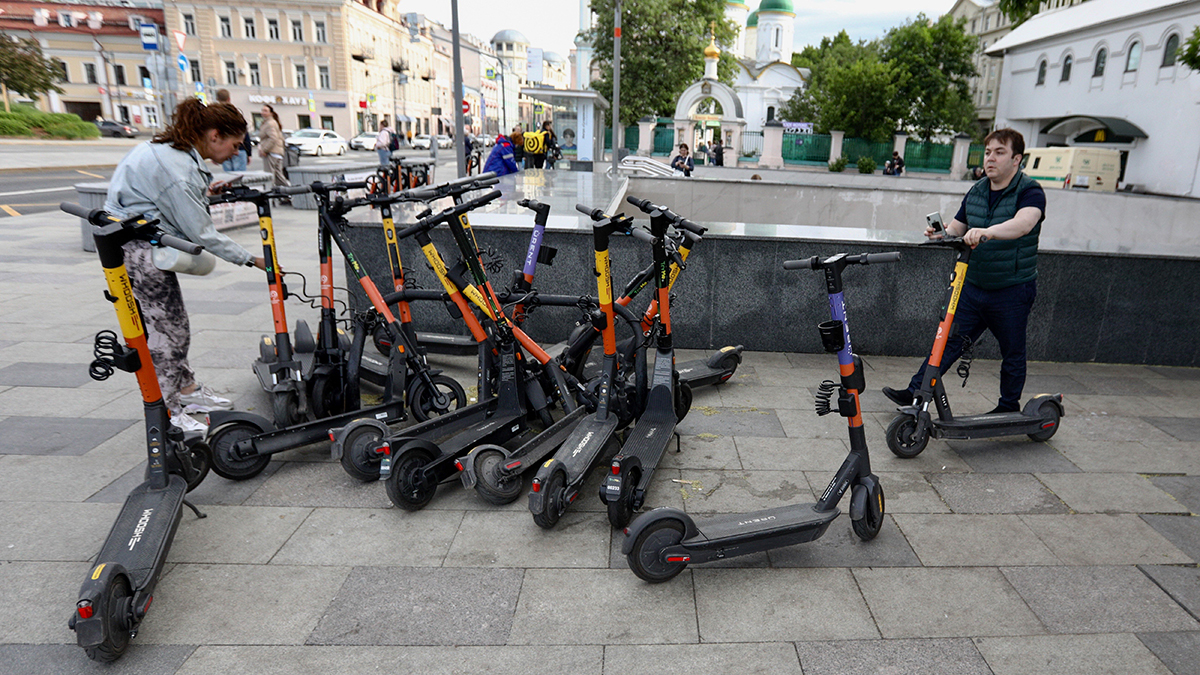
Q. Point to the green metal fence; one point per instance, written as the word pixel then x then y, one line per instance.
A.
pixel 975 155
pixel 928 157
pixel 664 139
pixel 853 148
pixel 806 148
pixel 631 138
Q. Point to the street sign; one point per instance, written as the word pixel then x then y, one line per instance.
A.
pixel 199 87
pixel 491 73
pixel 180 38
pixel 538 109
pixel 466 107
pixel 183 63
pixel 149 33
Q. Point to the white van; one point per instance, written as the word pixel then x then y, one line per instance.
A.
pixel 1074 168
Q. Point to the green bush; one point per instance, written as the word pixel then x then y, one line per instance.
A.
pixel 839 165
pixel 72 130
pixel 866 165
pixel 13 127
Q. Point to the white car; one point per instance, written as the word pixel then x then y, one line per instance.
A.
pixel 363 141
pixel 421 141
pixel 318 142
pixel 445 141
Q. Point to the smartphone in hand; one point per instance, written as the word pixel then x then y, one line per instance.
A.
pixel 934 221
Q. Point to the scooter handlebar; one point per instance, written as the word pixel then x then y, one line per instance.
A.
pixel 430 221
pixel 77 210
pixel 878 258
pixel 179 243
pixel 294 189
pixel 815 262
pixel 684 223
pixel 806 264
pixel 644 235
pixel 594 214
pixel 643 204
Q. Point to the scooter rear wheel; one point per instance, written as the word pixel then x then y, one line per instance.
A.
pixel 490 485
pixel 115 615
pixel 646 557
pixel 358 455
pixel 328 396
pixel 422 400
pixel 224 463
pixel 405 485
pixel 554 503
pixel 1049 414
pixel 902 439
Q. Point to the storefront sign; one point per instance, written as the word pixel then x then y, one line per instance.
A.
pixel 278 100
pixel 335 104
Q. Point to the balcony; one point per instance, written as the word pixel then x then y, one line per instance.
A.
pixel 362 52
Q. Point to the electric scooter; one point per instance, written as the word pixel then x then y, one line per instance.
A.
pixel 116 595
pixel 661 543
pixel 496 472
pixel 909 432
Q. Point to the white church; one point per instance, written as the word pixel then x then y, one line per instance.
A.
pixel 765 79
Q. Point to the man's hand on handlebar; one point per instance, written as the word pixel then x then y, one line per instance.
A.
pixel 976 236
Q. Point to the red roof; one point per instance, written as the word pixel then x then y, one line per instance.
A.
pixel 18 15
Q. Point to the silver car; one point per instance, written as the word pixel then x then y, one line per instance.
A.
pixel 318 142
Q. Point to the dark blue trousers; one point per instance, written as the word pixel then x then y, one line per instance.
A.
pixel 1004 312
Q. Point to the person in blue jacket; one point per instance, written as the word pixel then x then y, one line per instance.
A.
pixel 501 158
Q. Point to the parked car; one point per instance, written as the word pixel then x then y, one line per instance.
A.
pixel 116 129
pixel 318 142
pixel 421 142
pixel 363 141
pixel 445 141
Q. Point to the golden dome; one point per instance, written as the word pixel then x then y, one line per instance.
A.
pixel 711 51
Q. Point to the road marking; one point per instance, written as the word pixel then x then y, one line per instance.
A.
pixel 9 210
pixel 34 192
pixel 93 175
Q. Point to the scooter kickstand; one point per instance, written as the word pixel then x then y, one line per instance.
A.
pixel 677 439
pixel 195 510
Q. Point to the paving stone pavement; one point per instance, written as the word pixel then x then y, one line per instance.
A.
pixel 1078 555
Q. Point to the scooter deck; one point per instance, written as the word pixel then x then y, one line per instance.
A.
pixel 534 450
pixel 648 440
pixel 987 426
pixel 741 534
pixel 579 451
pixel 142 534
pixel 440 428
pixel 290 438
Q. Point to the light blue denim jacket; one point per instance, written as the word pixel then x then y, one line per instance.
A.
pixel 171 185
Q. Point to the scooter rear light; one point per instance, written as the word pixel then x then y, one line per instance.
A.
pixel 616 468
pixel 513 465
pixel 458 465
pixel 625 532
pixel 385 449
pixel 1047 425
pixel 679 558
pixel 85 609
pixel 331 438
pixel 537 485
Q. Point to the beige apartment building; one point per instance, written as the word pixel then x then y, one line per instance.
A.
pixel 334 64
pixel 105 68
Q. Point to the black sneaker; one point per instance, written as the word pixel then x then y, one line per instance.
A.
pixel 1001 409
pixel 901 397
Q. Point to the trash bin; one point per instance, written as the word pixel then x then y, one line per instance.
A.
pixel 90 196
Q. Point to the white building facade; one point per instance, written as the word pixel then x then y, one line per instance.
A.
pixel 1106 73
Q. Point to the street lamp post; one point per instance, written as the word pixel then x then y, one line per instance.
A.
pixel 616 120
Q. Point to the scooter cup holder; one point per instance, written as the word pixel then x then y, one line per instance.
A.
pixel 833 336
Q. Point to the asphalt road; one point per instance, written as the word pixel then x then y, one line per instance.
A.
pixel 37 191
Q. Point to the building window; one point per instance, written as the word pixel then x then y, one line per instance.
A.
pixel 303 121
pixel 89 73
pixel 1101 59
pixel 778 37
pixel 1041 73
pixel 189 24
pixel 226 27
pixel 319 30
pixel 196 71
pixel 255 75
pixel 987 22
pixel 273 29
pixel 62 70
pixel 770 113
pixel 323 77
pixel 248 28
pixel 1171 50
pixel 119 75
pixel 327 122
pixel 989 97
pixel 297 30
pixel 974 25
pixel 1066 69
pixel 230 72
pixel 143 74
pixel 301 77
pixel 1134 59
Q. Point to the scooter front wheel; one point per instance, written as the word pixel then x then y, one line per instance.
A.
pixel 902 437
pixel 115 614
pixel 198 463
pixel 620 510
pixel 869 525
pixel 285 405
pixel 406 487
pixel 423 400
pixel 494 488
pixel 646 557
pixel 225 463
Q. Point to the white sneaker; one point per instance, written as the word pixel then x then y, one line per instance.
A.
pixel 203 400
pixel 189 424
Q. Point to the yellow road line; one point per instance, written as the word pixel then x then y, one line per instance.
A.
pixel 93 175
pixel 9 210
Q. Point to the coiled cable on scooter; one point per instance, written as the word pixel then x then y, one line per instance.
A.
pixel 314 301
pixel 105 350
pixel 964 361
pixel 824 394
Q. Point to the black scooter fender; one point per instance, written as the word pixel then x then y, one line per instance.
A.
pixel 338 435
pixel 219 418
pixel 1034 404
pixel 726 358
pixel 542 478
pixel 90 632
pixel 467 464
pixel 653 516
pixel 397 446
pixel 866 488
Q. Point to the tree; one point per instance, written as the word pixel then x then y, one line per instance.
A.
pixel 836 51
pixel 860 99
pixel 1019 11
pixel 1189 55
pixel 662 51
pixel 936 60
pixel 24 69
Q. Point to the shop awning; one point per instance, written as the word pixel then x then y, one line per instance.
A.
pixel 1077 124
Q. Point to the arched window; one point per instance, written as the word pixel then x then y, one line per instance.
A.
pixel 770 113
pixel 778 37
pixel 1101 59
pixel 1066 69
pixel 1171 50
pixel 1134 59
pixel 1041 73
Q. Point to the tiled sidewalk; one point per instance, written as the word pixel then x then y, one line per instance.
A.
pixel 1074 556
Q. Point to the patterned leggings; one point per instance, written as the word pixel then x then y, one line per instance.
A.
pixel 168 331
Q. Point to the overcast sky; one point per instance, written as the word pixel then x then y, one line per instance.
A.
pixel 552 24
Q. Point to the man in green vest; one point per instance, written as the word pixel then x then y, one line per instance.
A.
pixel 1000 218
